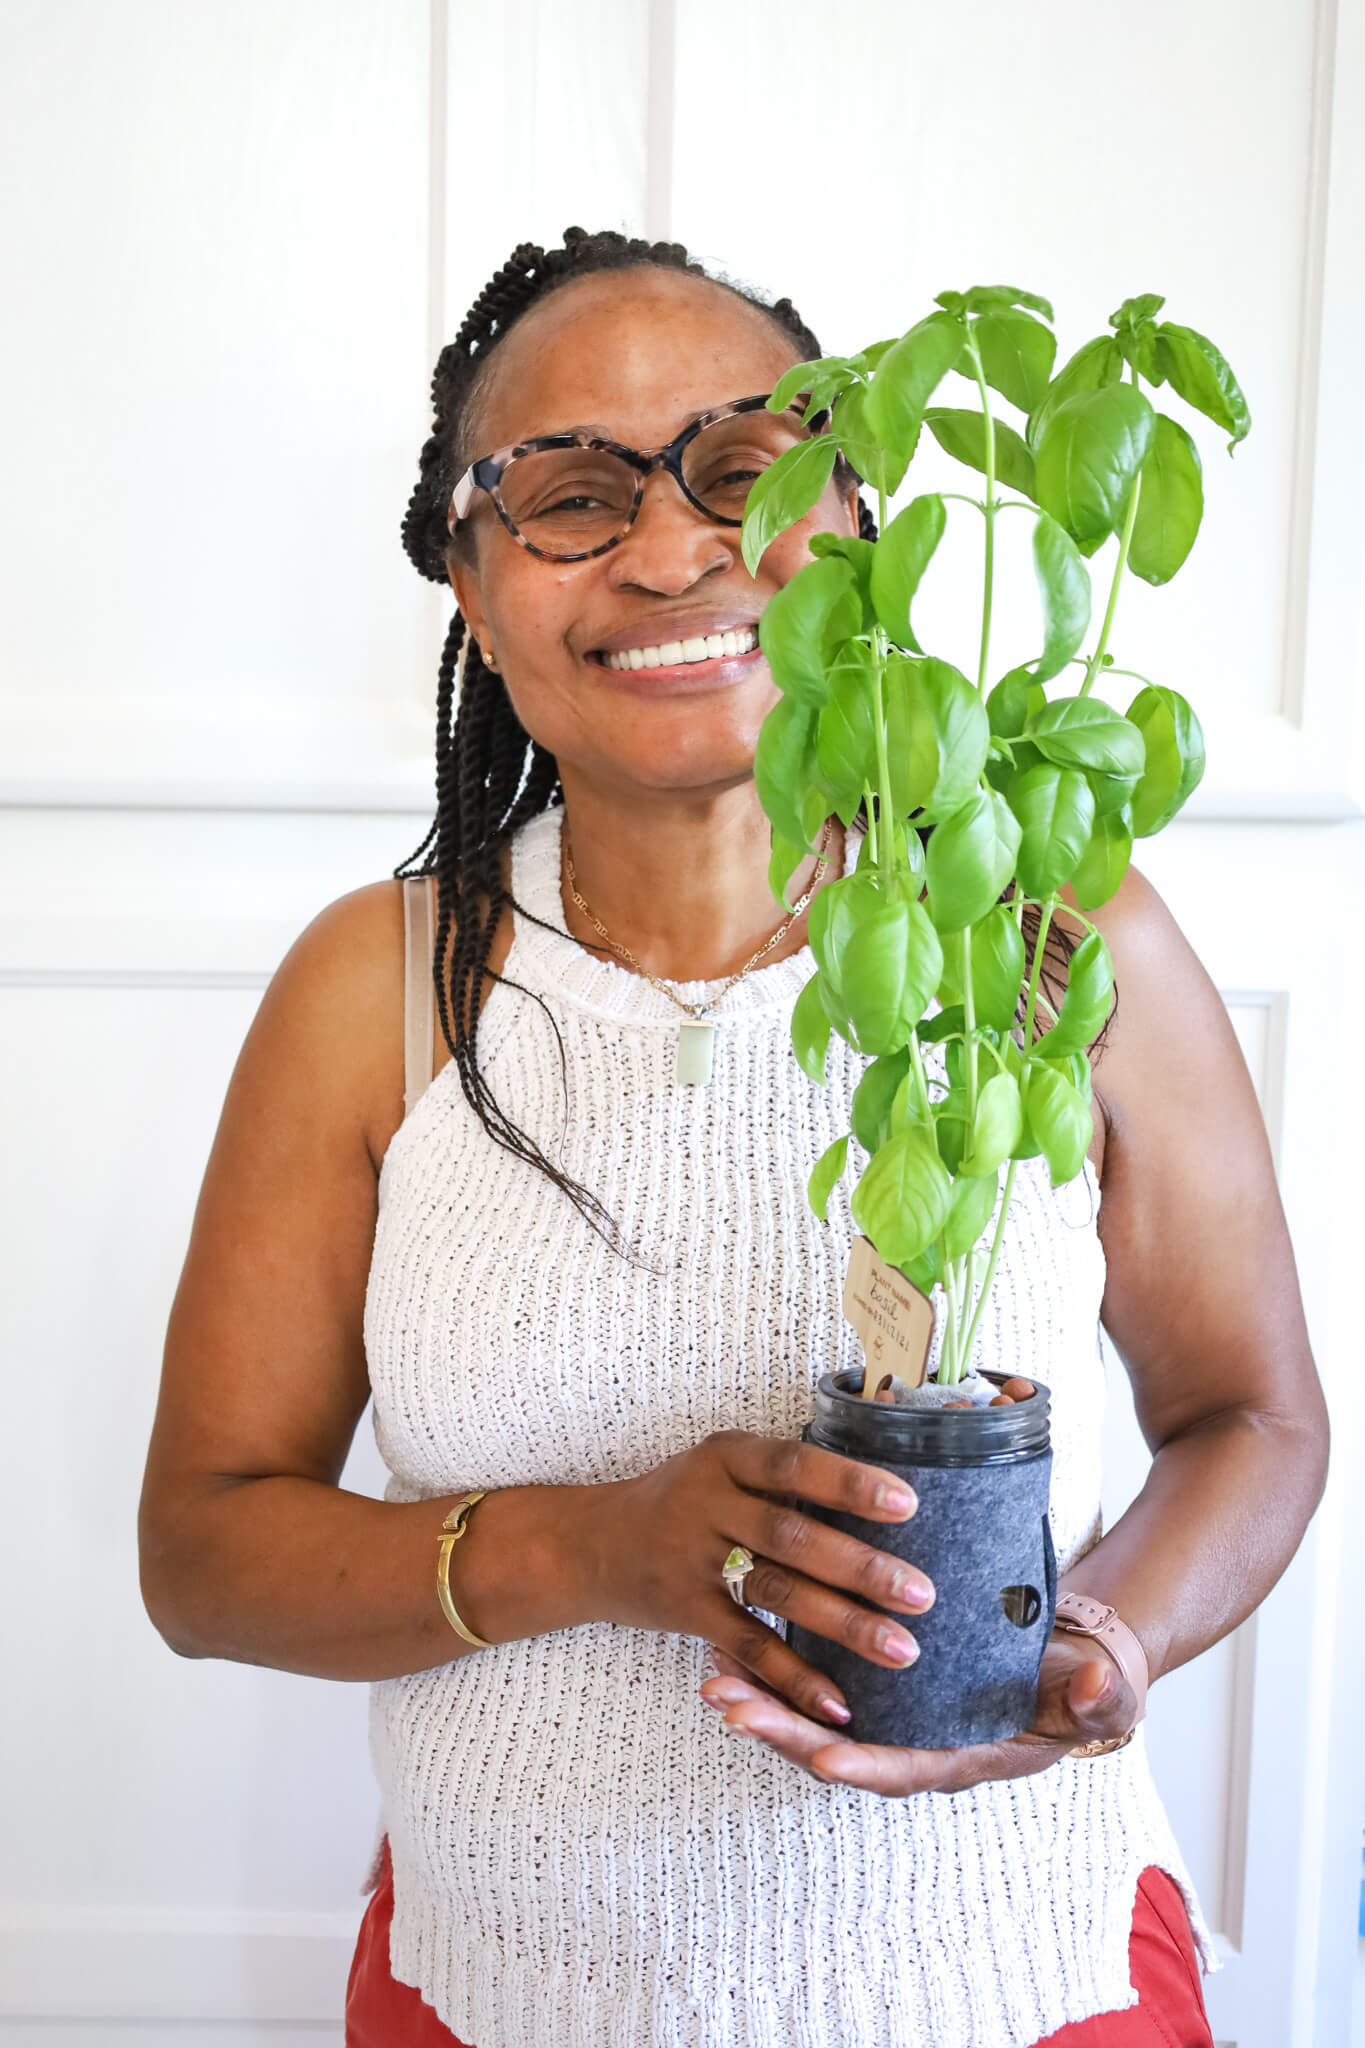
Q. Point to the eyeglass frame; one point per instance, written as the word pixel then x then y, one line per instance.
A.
pixel 486 473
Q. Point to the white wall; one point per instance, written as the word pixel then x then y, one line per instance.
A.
pixel 235 239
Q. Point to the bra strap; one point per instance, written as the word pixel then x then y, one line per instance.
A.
pixel 418 1032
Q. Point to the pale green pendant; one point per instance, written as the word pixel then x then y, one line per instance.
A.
pixel 696 1047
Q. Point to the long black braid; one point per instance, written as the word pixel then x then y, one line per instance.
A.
pixel 491 776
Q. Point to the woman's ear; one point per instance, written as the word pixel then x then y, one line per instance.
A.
pixel 466 588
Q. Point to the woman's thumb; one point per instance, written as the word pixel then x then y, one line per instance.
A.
pixel 1096 1698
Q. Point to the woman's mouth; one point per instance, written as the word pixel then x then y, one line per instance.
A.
pixel 679 665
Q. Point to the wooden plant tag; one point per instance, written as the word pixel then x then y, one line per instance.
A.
pixel 893 1319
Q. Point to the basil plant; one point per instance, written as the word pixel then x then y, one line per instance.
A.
pixel 1024 790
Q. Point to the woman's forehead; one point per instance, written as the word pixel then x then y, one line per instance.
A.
pixel 636 365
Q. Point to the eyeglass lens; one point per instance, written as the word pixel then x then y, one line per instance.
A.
pixel 570 500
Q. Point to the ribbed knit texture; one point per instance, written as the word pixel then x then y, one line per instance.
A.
pixel 583 1855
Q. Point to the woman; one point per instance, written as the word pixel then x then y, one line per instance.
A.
pixel 596 1291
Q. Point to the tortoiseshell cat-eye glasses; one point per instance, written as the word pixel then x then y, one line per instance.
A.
pixel 579 493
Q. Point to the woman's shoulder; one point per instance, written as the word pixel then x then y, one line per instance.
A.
pixel 340 990
pixel 349 965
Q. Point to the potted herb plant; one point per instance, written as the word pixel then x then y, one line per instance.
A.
pixel 982 796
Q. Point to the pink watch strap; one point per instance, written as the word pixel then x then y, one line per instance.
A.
pixel 1078 1614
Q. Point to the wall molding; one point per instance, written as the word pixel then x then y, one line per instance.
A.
pixel 164 1964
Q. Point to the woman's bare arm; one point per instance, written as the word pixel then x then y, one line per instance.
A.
pixel 1202 1302
pixel 249 1549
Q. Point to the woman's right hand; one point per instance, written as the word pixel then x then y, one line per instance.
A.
pixel 659 1542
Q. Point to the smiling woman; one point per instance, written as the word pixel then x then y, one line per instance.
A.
pixel 586 1408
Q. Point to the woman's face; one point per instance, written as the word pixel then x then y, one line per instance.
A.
pixel 633 353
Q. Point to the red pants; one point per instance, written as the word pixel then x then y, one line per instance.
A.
pixel 1162 1964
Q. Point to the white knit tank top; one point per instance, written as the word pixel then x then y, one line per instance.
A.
pixel 583 1855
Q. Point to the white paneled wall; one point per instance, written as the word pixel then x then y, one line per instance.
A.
pixel 236 239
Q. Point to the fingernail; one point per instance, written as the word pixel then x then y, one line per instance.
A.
pixel 896 1499
pixel 707 1701
pixel 899 1647
pixel 839 1713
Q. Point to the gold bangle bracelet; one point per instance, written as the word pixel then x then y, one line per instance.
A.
pixel 454 1526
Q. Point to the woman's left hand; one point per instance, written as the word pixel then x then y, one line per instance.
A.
pixel 1082 1697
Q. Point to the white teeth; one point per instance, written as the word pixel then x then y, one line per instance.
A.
pixel 673 652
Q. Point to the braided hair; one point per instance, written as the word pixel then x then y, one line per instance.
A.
pixel 491 776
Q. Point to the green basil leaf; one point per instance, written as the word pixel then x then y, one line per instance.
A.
pixel 1064 583
pixel 1082 732
pixel 1016 355
pixel 902 1198
pixel 812 377
pixel 1174 764
pixel 969 859
pixel 870 1109
pixel 880 958
pixel 906 378
pixel 1056 813
pixel 963 436
pixel 1057 1121
pixel 804 622
pixel 810 1029
pixel 923 1272
pixel 997 971
pixel 984 298
pixel 1093 367
pixel 872 979
pixel 909 1104
pixel 938 735
pixel 1138 347
pixel 1104 863
pixel 1170 505
pixel 949 990
pixel 786 770
pixel 825 1172
pixel 907 850
pixel 950 1128
pixel 970 1208
pixel 1111 792
pixel 846 738
pixel 1013 701
pixel 1086 1004
pixel 783 493
pixel 995 1128
pixel 863 447
pixel 1137 312
pixel 868 358
pixel 1197 373
pixel 1089 456
pixel 947 1021
pixel 899 559
pixel 785 859
pixel 857 551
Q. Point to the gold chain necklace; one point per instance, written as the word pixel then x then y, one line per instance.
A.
pixel 696 1036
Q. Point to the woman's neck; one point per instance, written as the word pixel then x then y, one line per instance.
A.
pixel 686 892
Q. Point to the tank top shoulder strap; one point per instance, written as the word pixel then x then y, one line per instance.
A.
pixel 419 923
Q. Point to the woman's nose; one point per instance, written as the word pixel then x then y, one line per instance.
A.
pixel 672 541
